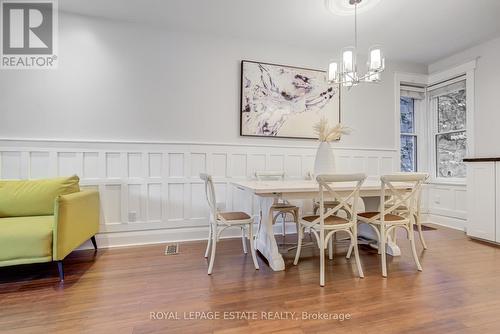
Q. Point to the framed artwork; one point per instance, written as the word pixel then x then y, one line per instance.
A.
pixel 285 101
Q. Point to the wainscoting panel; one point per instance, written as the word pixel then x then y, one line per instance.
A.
pixel 156 186
pixel 446 204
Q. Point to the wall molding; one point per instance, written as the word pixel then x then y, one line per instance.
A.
pixel 450 222
pixel 162 236
pixel 151 192
pixel 159 182
pixel 313 144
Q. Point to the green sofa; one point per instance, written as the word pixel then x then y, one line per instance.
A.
pixel 45 220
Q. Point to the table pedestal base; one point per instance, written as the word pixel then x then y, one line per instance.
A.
pixel 266 242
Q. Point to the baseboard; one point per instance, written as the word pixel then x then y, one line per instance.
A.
pixel 450 222
pixel 151 237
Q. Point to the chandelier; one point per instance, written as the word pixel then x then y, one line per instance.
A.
pixel 345 72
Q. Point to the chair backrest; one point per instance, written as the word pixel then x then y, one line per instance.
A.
pixel 210 194
pixel 407 197
pixel 270 175
pixel 346 201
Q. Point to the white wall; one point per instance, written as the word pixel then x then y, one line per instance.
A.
pixel 123 81
pixel 487 111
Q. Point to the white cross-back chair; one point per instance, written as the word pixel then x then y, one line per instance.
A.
pixel 280 208
pixel 403 210
pixel 404 201
pixel 327 223
pixel 219 221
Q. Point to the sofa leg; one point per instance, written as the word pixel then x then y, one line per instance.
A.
pixel 94 242
pixel 61 270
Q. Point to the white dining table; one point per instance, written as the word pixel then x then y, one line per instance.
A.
pixel 268 191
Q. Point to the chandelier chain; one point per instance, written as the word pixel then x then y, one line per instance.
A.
pixel 355 27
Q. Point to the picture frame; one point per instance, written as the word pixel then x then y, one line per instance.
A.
pixel 282 101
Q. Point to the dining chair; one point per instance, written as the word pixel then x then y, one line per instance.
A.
pixel 405 201
pixel 328 205
pixel 219 221
pixel 327 223
pixel 280 208
pixel 402 210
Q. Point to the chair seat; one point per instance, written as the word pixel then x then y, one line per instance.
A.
pixel 330 220
pixel 388 217
pixel 232 216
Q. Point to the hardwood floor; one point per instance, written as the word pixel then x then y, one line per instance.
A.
pixel 116 290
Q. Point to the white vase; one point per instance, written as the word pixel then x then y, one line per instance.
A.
pixel 325 160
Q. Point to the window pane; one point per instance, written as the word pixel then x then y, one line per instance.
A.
pixel 408 153
pixel 451 149
pixel 451 111
pixel 407 115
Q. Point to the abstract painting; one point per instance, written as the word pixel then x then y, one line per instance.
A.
pixel 285 101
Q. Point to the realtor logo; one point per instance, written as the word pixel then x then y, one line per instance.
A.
pixel 29 34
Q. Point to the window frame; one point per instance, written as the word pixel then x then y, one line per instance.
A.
pixel 413 134
pixel 402 79
pixel 466 70
pixel 434 119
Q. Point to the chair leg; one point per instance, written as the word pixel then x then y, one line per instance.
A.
pixel 61 270
pixel 243 240
pixel 283 218
pixel 382 250
pixel 299 244
pixel 421 235
pixel 354 243
pixel 209 241
pixel 349 252
pixel 252 248
pixel 322 258
pixel 212 255
pixel 413 248
pixel 94 243
pixel 330 247
pixel 379 250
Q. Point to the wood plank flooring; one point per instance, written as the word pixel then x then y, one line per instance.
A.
pixel 116 290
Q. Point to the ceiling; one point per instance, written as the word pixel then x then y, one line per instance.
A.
pixel 420 31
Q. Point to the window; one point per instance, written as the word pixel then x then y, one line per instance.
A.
pixel 408 135
pixel 448 102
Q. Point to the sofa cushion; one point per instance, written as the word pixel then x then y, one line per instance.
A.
pixel 34 197
pixel 26 239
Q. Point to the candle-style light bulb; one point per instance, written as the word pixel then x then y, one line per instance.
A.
pixel 333 69
pixel 376 60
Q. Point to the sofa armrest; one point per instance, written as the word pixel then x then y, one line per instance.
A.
pixel 76 220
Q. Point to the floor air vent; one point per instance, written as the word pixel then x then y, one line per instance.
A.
pixel 172 249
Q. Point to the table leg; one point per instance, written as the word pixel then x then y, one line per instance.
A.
pixel 266 242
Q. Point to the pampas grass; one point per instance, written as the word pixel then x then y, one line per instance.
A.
pixel 328 134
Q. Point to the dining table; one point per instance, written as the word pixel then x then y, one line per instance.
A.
pixel 268 191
